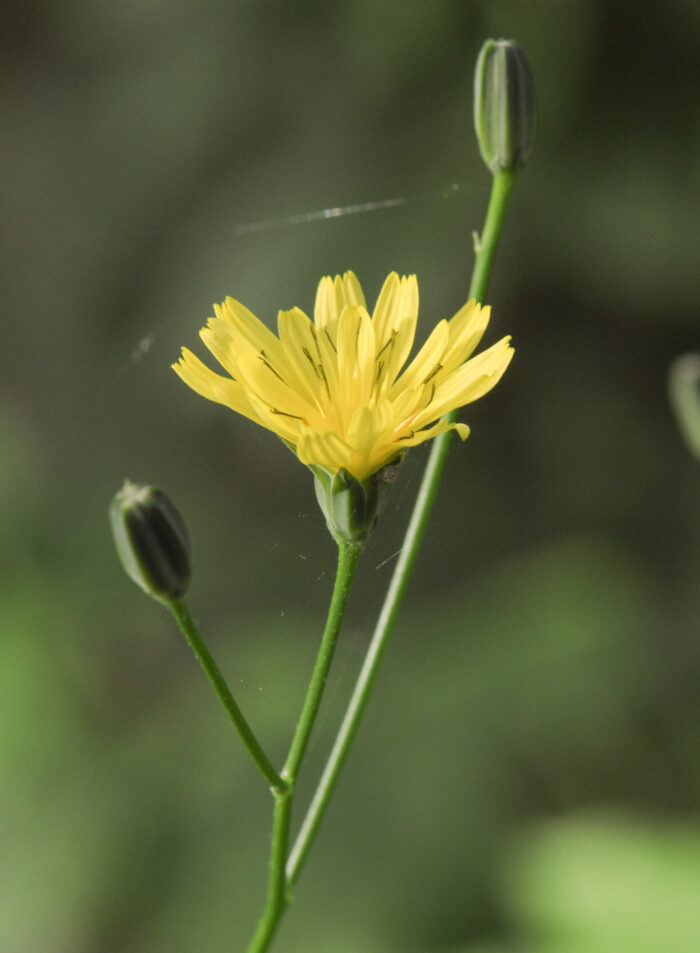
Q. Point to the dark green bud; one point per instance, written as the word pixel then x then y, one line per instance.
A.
pixel 151 540
pixel 504 105
pixel 684 393
pixel 351 506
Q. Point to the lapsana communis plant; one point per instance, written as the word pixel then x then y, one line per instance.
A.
pixel 342 392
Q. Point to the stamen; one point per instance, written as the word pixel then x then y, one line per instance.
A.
pixel 282 413
pixel 319 369
pixel 389 343
pixel 263 357
pixel 435 370
pixel 307 355
pixel 433 388
pixel 322 374
pixel 330 339
pixel 315 337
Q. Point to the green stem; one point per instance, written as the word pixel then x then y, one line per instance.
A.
pixel 487 243
pixel 485 249
pixel 179 609
pixel 348 554
pixel 277 890
pixel 277 894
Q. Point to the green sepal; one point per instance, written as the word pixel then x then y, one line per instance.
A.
pixel 351 506
pixel 151 540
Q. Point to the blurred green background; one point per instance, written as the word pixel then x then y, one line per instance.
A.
pixel 527 777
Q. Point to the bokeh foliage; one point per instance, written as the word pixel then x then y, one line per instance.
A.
pixel 527 777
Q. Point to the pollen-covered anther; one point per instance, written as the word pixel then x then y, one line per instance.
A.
pixel 328 338
pixel 431 375
pixel 283 413
pixel 389 344
pixel 322 375
pixel 307 354
pixel 315 337
pixel 264 359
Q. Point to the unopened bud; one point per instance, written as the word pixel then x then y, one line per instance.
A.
pixel 684 393
pixel 504 105
pixel 151 540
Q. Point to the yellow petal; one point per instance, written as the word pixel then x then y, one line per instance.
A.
pixel 405 323
pixel 258 377
pixel 383 314
pixel 206 383
pixel 369 425
pixel 246 325
pixel 325 302
pixel 395 317
pixel 471 381
pixel 298 339
pixel 423 366
pixel 326 449
pixel 466 330
pixel 334 294
pixel 440 427
pixel 236 329
pixel 353 291
pixel 355 360
pixel 220 338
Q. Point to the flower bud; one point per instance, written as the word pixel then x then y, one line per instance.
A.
pixel 504 105
pixel 151 540
pixel 351 506
pixel 684 393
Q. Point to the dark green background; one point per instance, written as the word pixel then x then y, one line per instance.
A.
pixel 527 777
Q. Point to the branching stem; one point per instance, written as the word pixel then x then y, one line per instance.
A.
pixel 278 885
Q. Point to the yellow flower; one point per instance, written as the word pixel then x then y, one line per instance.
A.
pixel 332 388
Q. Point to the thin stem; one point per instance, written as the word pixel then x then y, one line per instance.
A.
pixel 485 249
pixel 277 891
pixel 348 555
pixel 179 609
pixel 277 895
pixel 487 243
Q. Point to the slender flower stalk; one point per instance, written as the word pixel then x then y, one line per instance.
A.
pixel 182 616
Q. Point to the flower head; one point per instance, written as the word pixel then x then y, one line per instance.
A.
pixel 333 388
